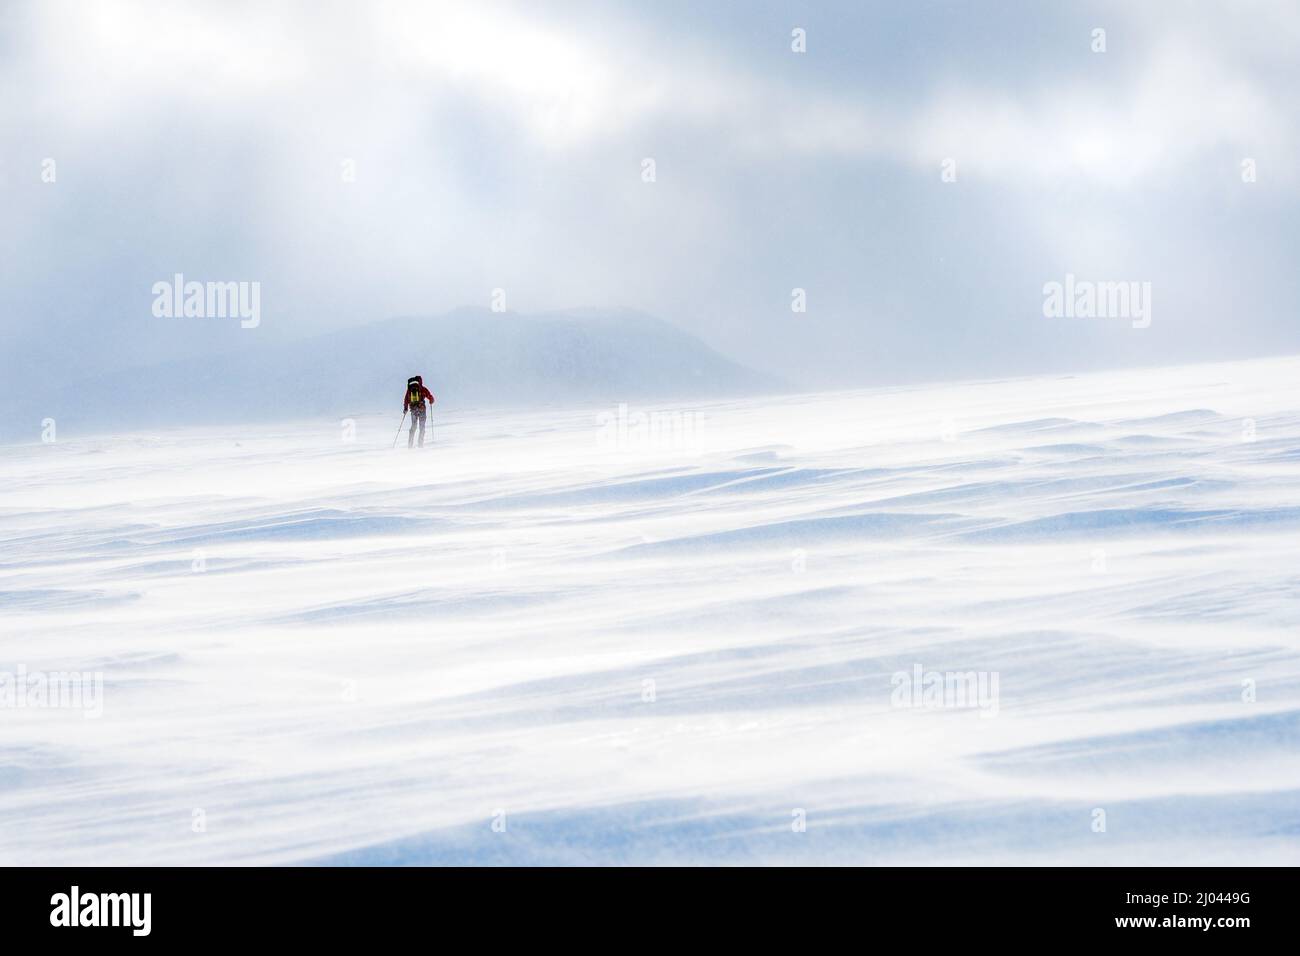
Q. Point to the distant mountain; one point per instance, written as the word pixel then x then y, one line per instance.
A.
pixel 469 357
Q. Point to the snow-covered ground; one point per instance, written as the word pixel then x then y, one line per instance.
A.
pixel 551 637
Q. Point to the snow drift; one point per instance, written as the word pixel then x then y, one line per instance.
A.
pixel 702 632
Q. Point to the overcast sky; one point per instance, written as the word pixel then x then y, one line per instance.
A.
pixel 500 145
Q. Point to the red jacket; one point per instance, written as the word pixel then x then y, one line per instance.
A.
pixel 406 398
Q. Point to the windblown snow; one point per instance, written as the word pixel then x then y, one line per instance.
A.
pixel 1049 620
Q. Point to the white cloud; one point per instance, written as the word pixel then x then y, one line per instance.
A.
pixel 499 144
pixel 1182 104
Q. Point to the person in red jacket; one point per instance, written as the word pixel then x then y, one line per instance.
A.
pixel 413 401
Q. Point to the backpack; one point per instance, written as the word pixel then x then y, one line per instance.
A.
pixel 415 390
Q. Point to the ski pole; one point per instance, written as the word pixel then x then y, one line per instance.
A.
pixel 399 427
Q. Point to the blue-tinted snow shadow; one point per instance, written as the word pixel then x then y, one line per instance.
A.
pixel 64 599
pixel 425 603
pixel 783 534
pixel 760 831
pixel 1247 738
pixel 1119 521
pixel 1038 671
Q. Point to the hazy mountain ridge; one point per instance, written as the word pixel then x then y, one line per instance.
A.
pixel 468 357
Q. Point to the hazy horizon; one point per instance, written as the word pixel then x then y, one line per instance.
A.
pixel 303 334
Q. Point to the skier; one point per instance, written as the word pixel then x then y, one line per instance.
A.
pixel 413 401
